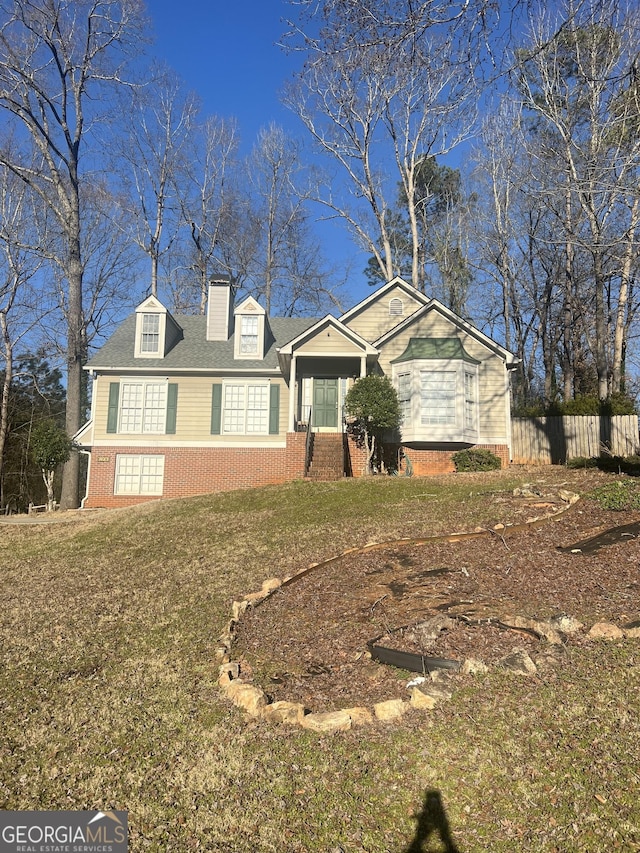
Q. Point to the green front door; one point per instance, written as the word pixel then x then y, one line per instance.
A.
pixel 325 403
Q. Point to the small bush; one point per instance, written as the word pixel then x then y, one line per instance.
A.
pixel 619 496
pixel 579 462
pixel 476 460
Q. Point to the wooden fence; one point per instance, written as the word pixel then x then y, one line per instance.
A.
pixel 545 441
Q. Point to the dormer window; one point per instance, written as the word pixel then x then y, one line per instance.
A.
pixel 250 330
pixel 249 336
pixel 150 340
pixel 396 308
pixel 156 330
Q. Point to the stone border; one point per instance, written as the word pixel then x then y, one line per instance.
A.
pixel 426 692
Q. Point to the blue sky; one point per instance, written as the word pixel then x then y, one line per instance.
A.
pixel 227 52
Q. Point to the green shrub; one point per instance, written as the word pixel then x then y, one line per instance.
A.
pixel 583 462
pixel 618 496
pixel 585 404
pixel 476 460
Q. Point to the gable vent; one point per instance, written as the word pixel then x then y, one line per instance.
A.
pixel 396 308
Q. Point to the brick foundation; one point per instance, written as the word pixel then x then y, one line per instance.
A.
pixel 199 470
pixel 426 462
pixel 196 471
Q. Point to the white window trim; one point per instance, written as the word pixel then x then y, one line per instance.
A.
pixel 225 409
pixel 141 458
pixel 258 354
pixel 144 383
pixel 139 352
pixel 458 432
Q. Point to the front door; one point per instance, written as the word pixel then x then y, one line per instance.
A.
pixel 325 403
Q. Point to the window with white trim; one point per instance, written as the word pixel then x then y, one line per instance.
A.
pixel 437 397
pixel 143 407
pixel 245 409
pixel 249 335
pixel 150 334
pixel 139 474
pixel 470 403
pixel 404 396
pixel 438 400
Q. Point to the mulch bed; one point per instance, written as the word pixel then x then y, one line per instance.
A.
pixel 308 641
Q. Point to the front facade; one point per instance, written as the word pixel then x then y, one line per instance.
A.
pixel 189 405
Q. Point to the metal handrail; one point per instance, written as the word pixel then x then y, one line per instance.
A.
pixel 308 445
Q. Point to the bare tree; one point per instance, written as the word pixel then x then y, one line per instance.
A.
pixel 150 161
pixel 58 58
pixel 286 268
pixel 575 78
pixel 390 82
pixel 20 307
pixel 209 209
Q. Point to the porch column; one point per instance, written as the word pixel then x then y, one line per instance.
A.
pixel 363 366
pixel 292 393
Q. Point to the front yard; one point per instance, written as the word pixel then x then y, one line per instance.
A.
pixel 108 690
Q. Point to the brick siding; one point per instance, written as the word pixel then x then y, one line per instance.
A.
pixel 197 471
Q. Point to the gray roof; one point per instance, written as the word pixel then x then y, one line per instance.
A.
pixel 194 351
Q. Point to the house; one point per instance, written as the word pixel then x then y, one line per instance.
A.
pixel 185 405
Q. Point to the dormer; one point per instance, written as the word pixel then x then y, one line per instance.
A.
pixel 250 330
pixel 156 330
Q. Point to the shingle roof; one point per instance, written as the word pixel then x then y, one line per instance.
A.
pixel 194 352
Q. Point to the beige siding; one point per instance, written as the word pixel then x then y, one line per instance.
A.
pixel 329 341
pixel 193 422
pixel 374 320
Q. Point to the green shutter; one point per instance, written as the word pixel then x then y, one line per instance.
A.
pixel 112 411
pixel 274 409
pixel 172 408
pixel 216 408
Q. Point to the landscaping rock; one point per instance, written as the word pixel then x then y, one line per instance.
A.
pixel 541 629
pixel 284 712
pixel 422 701
pixel 246 696
pixel 566 624
pixel 392 709
pixel 238 608
pixel 327 721
pixel 632 633
pixel 472 666
pixel 359 716
pixel 271 584
pixel 605 631
pixel 518 662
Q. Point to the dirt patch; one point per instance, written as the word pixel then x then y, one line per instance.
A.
pixel 308 641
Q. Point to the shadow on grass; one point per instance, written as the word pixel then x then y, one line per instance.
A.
pixel 432 826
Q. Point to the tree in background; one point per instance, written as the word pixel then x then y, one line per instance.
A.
pixel 36 394
pixel 385 86
pixel 441 209
pixel 59 63
pixel 50 448
pixel 151 163
pixel 373 412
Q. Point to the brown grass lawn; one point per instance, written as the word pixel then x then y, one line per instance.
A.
pixel 108 694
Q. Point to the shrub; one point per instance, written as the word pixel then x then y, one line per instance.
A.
pixel 476 460
pixel 585 404
pixel 619 496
